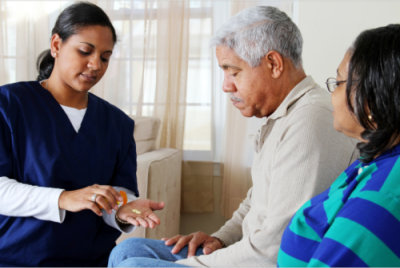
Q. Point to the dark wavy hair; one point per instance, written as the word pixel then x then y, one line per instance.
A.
pixel 373 88
pixel 68 23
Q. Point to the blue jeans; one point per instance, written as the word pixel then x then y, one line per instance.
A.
pixel 143 252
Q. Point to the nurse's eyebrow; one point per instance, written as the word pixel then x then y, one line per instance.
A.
pixel 93 46
pixel 89 44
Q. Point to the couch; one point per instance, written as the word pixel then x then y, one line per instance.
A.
pixel 159 178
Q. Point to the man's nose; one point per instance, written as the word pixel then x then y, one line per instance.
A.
pixel 228 85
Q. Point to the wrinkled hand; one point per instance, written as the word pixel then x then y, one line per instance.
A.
pixel 140 212
pixel 193 241
pixel 78 200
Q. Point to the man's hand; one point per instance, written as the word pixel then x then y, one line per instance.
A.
pixel 140 212
pixel 193 241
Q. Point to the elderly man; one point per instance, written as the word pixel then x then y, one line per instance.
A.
pixel 298 152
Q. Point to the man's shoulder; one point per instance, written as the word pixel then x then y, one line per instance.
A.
pixel 306 95
pixel 315 97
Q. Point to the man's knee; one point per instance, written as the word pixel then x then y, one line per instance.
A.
pixel 132 247
pixel 135 247
pixel 148 262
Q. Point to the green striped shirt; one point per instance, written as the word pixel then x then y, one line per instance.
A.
pixel 356 222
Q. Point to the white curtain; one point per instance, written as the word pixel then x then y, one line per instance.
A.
pixel 148 75
pixel 23 35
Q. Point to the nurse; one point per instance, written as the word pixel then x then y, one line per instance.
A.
pixel 65 154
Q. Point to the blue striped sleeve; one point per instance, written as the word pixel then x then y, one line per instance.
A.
pixel 361 235
pixel 335 254
pixel 292 249
pixel 376 219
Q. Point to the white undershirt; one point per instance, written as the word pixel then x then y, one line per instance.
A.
pixel 75 116
pixel 24 200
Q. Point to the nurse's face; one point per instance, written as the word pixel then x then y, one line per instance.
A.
pixel 82 59
pixel 343 119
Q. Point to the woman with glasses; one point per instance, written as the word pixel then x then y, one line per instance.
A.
pixel 356 222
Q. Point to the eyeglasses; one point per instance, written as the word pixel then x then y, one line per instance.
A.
pixel 332 83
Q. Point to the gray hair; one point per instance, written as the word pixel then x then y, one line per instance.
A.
pixel 255 31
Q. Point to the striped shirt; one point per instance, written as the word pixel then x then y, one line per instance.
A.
pixel 356 222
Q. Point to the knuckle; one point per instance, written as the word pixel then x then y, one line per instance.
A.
pixel 180 242
pixel 199 233
pixel 108 188
pixel 185 238
pixel 192 243
pixel 175 238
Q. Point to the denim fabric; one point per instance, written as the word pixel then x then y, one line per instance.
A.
pixel 143 252
pixel 147 262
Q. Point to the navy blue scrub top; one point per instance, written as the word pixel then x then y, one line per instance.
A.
pixel 39 146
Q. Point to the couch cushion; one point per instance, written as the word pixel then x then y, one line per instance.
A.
pixel 145 133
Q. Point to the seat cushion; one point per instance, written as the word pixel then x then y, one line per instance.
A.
pixel 146 133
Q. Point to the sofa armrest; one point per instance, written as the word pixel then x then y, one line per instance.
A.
pixel 159 179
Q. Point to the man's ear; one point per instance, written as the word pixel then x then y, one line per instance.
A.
pixel 275 63
pixel 55 45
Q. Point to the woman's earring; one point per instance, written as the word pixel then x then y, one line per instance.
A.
pixel 54 54
pixel 370 117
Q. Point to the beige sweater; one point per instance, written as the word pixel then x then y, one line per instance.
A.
pixel 298 155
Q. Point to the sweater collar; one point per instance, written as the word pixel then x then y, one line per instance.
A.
pixel 296 93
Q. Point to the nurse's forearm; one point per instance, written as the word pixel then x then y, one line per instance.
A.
pixel 23 200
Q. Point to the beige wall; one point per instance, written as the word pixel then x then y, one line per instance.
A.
pixel 201 197
pixel 330 26
pixel 197 187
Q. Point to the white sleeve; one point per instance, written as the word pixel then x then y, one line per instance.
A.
pixel 23 200
pixel 231 231
pixel 110 218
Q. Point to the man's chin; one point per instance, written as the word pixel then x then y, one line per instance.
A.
pixel 246 113
pixel 251 113
pixel 244 110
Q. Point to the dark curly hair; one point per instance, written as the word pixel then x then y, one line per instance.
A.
pixel 68 23
pixel 373 88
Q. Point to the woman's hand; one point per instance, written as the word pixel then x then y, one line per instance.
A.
pixel 140 212
pixel 94 197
